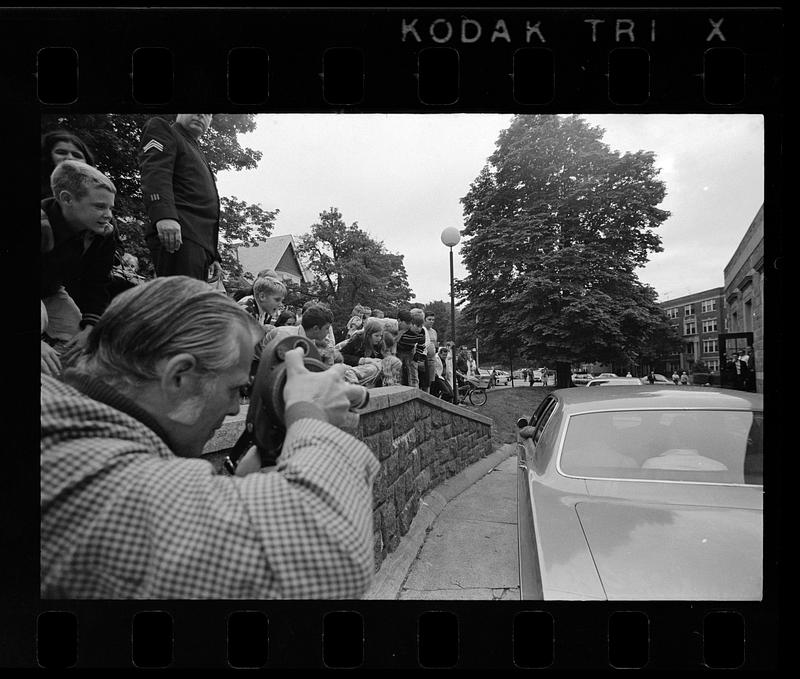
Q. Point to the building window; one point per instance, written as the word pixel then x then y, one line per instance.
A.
pixel 710 325
pixel 713 365
pixel 748 315
pixel 710 346
pixel 690 349
pixel 689 328
pixel 687 310
pixel 709 305
pixel 672 313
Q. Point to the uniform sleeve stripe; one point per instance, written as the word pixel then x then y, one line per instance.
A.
pixel 153 144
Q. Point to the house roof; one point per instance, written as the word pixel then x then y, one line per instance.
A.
pixel 272 254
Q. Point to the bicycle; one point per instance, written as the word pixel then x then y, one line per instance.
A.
pixel 473 391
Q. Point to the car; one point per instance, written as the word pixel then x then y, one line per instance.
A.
pixel 660 379
pixel 608 375
pixel 581 378
pixel 485 375
pixel 519 374
pixel 501 377
pixel 613 381
pixel 641 493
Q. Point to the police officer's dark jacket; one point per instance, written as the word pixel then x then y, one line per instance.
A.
pixel 177 183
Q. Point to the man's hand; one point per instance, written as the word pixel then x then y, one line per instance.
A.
pixel 169 232
pixel 51 363
pixel 327 390
pixel 74 347
pixel 214 272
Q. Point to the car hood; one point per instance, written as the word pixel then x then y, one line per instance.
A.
pixel 675 553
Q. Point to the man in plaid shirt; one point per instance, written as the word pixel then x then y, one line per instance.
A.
pixel 127 508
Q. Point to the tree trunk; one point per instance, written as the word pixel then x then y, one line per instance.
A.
pixel 563 374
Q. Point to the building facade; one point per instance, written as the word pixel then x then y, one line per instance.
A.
pixel 744 297
pixel 698 319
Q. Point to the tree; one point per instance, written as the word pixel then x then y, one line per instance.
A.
pixel 241 224
pixel 350 268
pixel 555 225
pixel 114 140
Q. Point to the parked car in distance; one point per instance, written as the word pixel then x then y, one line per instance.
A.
pixel 608 375
pixel 660 379
pixel 502 377
pixel 620 489
pixel 519 375
pixel 613 381
pixel 581 378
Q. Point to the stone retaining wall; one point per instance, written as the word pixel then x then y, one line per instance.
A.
pixel 420 441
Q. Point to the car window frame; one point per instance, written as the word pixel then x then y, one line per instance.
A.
pixel 545 414
pixel 559 447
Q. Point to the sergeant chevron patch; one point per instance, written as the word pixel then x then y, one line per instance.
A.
pixel 153 144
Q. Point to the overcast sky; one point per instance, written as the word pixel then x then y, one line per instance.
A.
pixel 401 177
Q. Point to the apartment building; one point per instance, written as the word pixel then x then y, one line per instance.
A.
pixel 716 324
pixel 698 318
pixel 744 298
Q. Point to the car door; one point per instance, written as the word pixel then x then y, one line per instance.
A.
pixel 530 578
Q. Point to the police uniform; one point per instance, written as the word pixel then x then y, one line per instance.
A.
pixel 177 183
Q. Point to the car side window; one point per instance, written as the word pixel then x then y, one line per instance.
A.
pixel 539 410
pixel 542 419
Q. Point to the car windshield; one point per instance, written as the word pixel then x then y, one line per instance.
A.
pixel 709 446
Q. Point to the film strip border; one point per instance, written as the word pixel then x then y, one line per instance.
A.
pixel 612 60
pixel 401 637
pixel 433 61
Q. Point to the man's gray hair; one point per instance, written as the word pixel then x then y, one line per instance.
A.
pixel 77 178
pixel 160 319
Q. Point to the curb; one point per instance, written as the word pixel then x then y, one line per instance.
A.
pixel 393 571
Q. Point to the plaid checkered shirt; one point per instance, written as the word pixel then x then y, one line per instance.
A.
pixel 123 517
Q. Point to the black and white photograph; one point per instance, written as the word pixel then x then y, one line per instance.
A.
pixel 402 356
pixel 442 340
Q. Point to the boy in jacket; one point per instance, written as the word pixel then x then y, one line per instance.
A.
pixel 77 258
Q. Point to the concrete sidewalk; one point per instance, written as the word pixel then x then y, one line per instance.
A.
pixel 462 544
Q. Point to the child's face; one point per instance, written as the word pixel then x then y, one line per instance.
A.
pixel 403 325
pixel 271 302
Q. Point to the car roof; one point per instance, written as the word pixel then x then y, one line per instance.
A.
pixel 579 399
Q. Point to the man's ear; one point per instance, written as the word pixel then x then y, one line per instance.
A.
pixel 179 377
pixel 65 197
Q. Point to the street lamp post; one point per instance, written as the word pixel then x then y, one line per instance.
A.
pixel 450 237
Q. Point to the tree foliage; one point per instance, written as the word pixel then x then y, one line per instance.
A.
pixel 114 140
pixel 350 267
pixel 556 224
